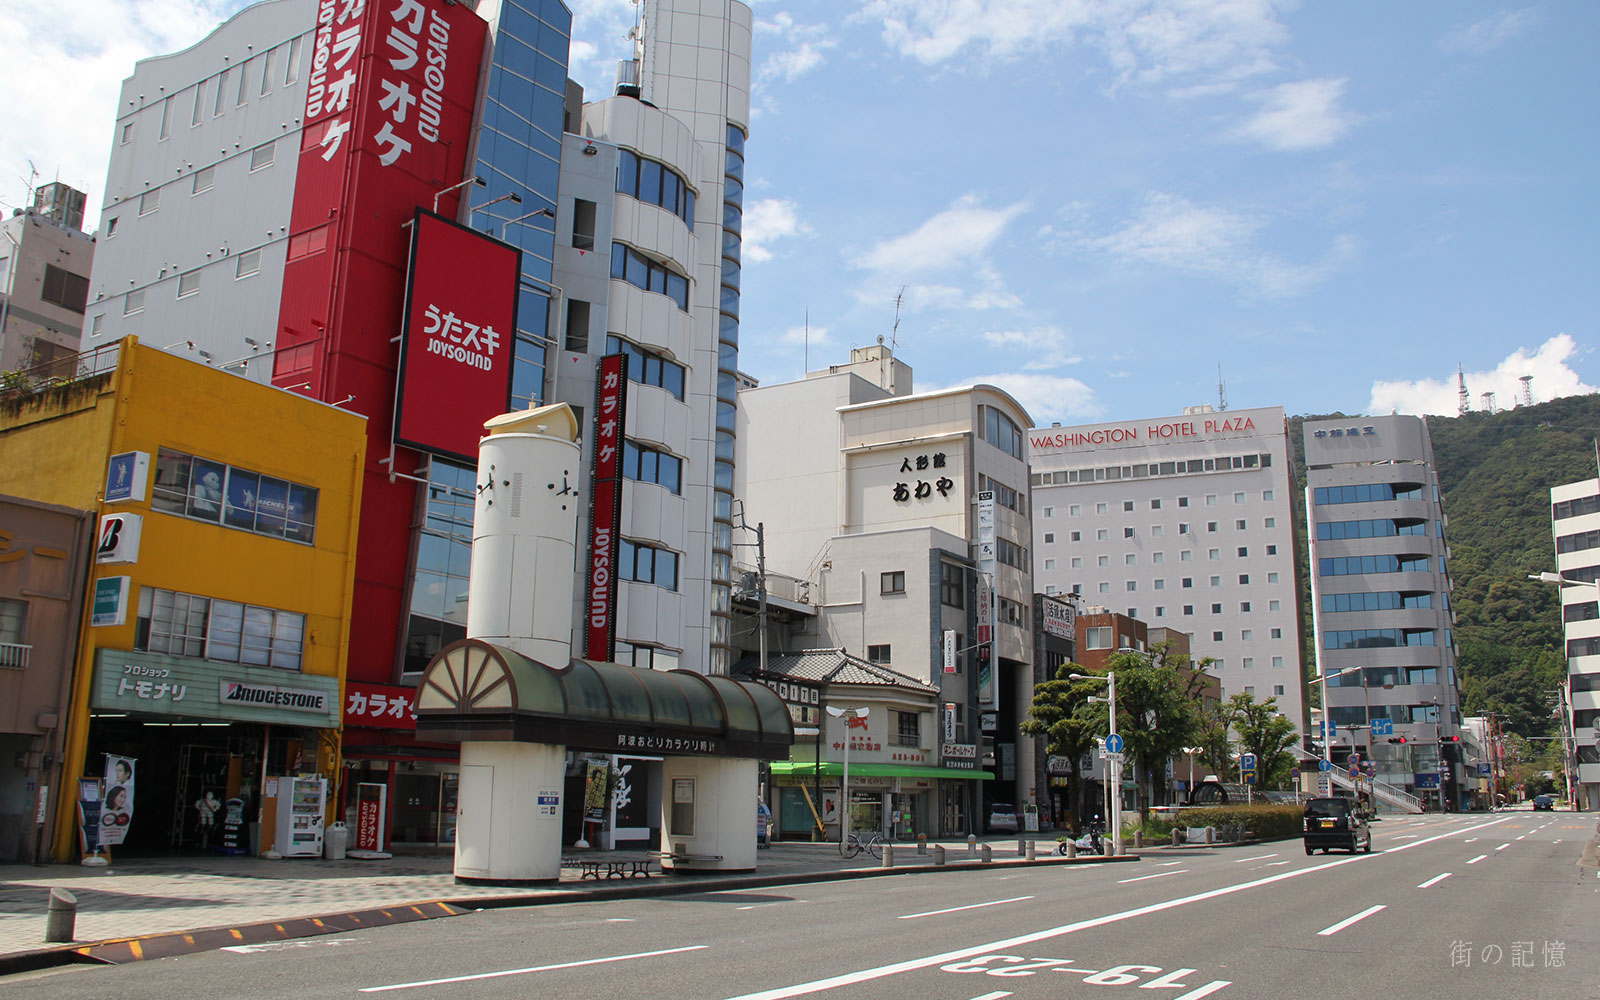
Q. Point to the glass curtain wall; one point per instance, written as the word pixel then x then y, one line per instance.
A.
pixel 727 401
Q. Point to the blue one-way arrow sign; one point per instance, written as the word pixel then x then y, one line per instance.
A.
pixel 1114 743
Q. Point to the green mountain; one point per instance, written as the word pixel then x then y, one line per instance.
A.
pixel 1495 472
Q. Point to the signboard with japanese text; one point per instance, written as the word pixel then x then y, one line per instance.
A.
pixel 110 601
pixel 158 684
pixel 381 706
pixel 605 510
pixel 986 597
pixel 963 756
pixel 1059 618
pixel 947 650
pixel 927 478
pixel 460 320
pixel 128 477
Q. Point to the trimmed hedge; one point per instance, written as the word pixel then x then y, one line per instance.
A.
pixel 1263 822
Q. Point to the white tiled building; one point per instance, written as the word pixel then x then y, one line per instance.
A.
pixel 1185 522
pixel 1575 523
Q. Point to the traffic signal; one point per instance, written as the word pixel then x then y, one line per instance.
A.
pixel 1449 739
pixel 1397 739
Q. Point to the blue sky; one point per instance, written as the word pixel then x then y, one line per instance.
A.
pixel 1093 205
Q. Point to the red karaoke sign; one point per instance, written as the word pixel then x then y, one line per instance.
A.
pixel 461 319
pixel 605 513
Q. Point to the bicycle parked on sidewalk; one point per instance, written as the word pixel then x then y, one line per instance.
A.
pixel 855 843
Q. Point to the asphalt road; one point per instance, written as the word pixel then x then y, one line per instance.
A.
pixel 1460 906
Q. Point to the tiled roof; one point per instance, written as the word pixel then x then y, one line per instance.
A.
pixel 832 666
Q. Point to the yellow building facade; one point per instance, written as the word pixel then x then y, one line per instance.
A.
pixel 212 652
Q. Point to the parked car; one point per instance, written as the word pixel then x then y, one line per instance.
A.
pixel 1545 802
pixel 1003 818
pixel 1336 822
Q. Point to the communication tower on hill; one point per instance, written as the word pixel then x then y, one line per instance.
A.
pixel 1526 399
pixel 1465 401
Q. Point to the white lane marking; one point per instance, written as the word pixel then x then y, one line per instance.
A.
pixel 536 968
pixel 1524 835
pixel 1556 841
pixel 619 920
pixel 996 995
pixel 1434 881
pixel 913 964
pixel 1275 864
pixel 1141 878
pixel 1261 858
pixel 251 949
pixel 1347 921
pixel 1168 864
pixel 1477 859
pixel 1502 847
pixel 1407 836
pixel 1469 840
pixel 958 909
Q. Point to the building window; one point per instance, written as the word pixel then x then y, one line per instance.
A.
pixel 628 264
pixel 1247 635
pixel 1244 606
pixel 1272 577
pixel 1183 501
pixel 188 283
pixel 65 289
pixel 149 201
pixel 1000 431
pixel 1077 562
pixel 1188 609
pixel 1097 637
pixel 655 183
pixel 127 133
pixel 1239 524
pixel 205 179
pixel 188 625
pixel 1073 510
pixel 1211 499
pixel 1133 585
pixel 1105 588
pixel 1130 559
pixel 1216 581
pixel 1277 633
pixel 1183 527
pixel 1216 637
pixel 1266 495
pixel 1155 504
pixel 1211 526
pixel 1102 560
pixel 878 653
pixel 1077 536
pixel 237 498
pixel 247 263
pixel 1244 577
pixel 583 220
pixel 952 585
pixel 1127 532
pixel 1270 522
pixel 166 118
pixel 1160 584
pixel 1273 605
pixel 1049 564
pixel 1186 556
pixel 1100 508
pixel 1049 512
pixel 1277 690
pixel 1161 612
pixel 643 563
pixel 907 729
pixel 1127 506
pixel 291 69
pixel 1244 551
pixel 1049 537
pixel 647 367
pixel 1188 583
pixel 1100 535
pixel 1155 531
pixel 96 324
pixel 1216 609
pixel 578 326
pixel 1213 554
pixel 644 464
pixel 261 157
pixel 220 104
pixel 1158 558
pixel 1277 662
pixel 134 303
pixel 892 583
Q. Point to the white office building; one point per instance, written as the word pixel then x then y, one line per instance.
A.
pixel 1575 523
pixel 1185 522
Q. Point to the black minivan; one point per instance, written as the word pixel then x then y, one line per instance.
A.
pixel 1336 822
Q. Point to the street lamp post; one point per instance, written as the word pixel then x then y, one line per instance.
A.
pixel 848 715
pixel 1115 760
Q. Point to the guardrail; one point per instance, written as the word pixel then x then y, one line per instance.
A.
pixel 14 655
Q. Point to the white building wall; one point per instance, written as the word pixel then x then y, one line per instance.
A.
pixel 204 232
pixel 1583 670
pixel 1136 561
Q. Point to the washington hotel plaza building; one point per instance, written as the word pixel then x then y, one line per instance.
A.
pixel 1185 522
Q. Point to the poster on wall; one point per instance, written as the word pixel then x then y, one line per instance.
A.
pixel 116 811
pixel 89 816
pixel 460 322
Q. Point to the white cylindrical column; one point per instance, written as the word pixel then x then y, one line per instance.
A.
pixel 508 827
pixel 708 814
pixel 524 534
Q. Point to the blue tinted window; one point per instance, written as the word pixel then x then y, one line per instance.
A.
pixel 678 288
pixel 730 274
pixel 735 165
pixel 732 191
pixel 688 206
pixel 733 220
pixel 628 173
pixel 672 379
pixel 728 330
pixel 619 258
pixel 729 302
pixel 736 139
pixel 650 181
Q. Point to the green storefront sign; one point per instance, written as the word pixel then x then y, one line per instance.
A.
pixel 157 684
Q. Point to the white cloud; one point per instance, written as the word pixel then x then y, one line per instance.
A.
pixel 787 66
pixel 957 236
pixel 1173 232
pixel 83 52
pixel 1300 115
pixel 1045 397
pixel 1490 32
pixel 765 221
pixel 1141 40
pixel 1553 378
pixel 805 335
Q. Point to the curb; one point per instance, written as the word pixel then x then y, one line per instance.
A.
pixel 170 944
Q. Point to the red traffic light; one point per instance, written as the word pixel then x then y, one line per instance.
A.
pixel 1449 739
pixel 1397 739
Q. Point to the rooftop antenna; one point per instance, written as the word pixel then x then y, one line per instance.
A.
pixel 807 361
pixel 1222 390
pixel 895 330
pixel 1464 401
pixel 1488 403
pixel 1527 390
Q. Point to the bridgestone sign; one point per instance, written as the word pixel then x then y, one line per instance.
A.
pixel 271 696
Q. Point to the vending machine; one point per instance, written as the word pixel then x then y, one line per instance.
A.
pixel 302 803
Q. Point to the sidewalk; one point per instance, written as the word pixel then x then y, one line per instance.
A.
pixel 156 907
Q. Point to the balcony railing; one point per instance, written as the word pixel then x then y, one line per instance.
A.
pixel 14 655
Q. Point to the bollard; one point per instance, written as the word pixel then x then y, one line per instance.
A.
pixel 1122 850
pixel 1138 838
pixel 922 843
pixel 972 844
pixel 1106 848
pixel 888 855
pixel 1022 847
pixel 1030 855
pixel 1174 836
pixel 988 854
pixel 60 916
pixel 938 854
pixel 1072 848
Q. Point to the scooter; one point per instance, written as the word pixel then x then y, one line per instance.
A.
pixel 1090 841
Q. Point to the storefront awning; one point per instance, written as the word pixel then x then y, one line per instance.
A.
pixel 477 691
pixel 835 769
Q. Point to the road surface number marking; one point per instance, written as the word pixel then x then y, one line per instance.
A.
pixel 1117 975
